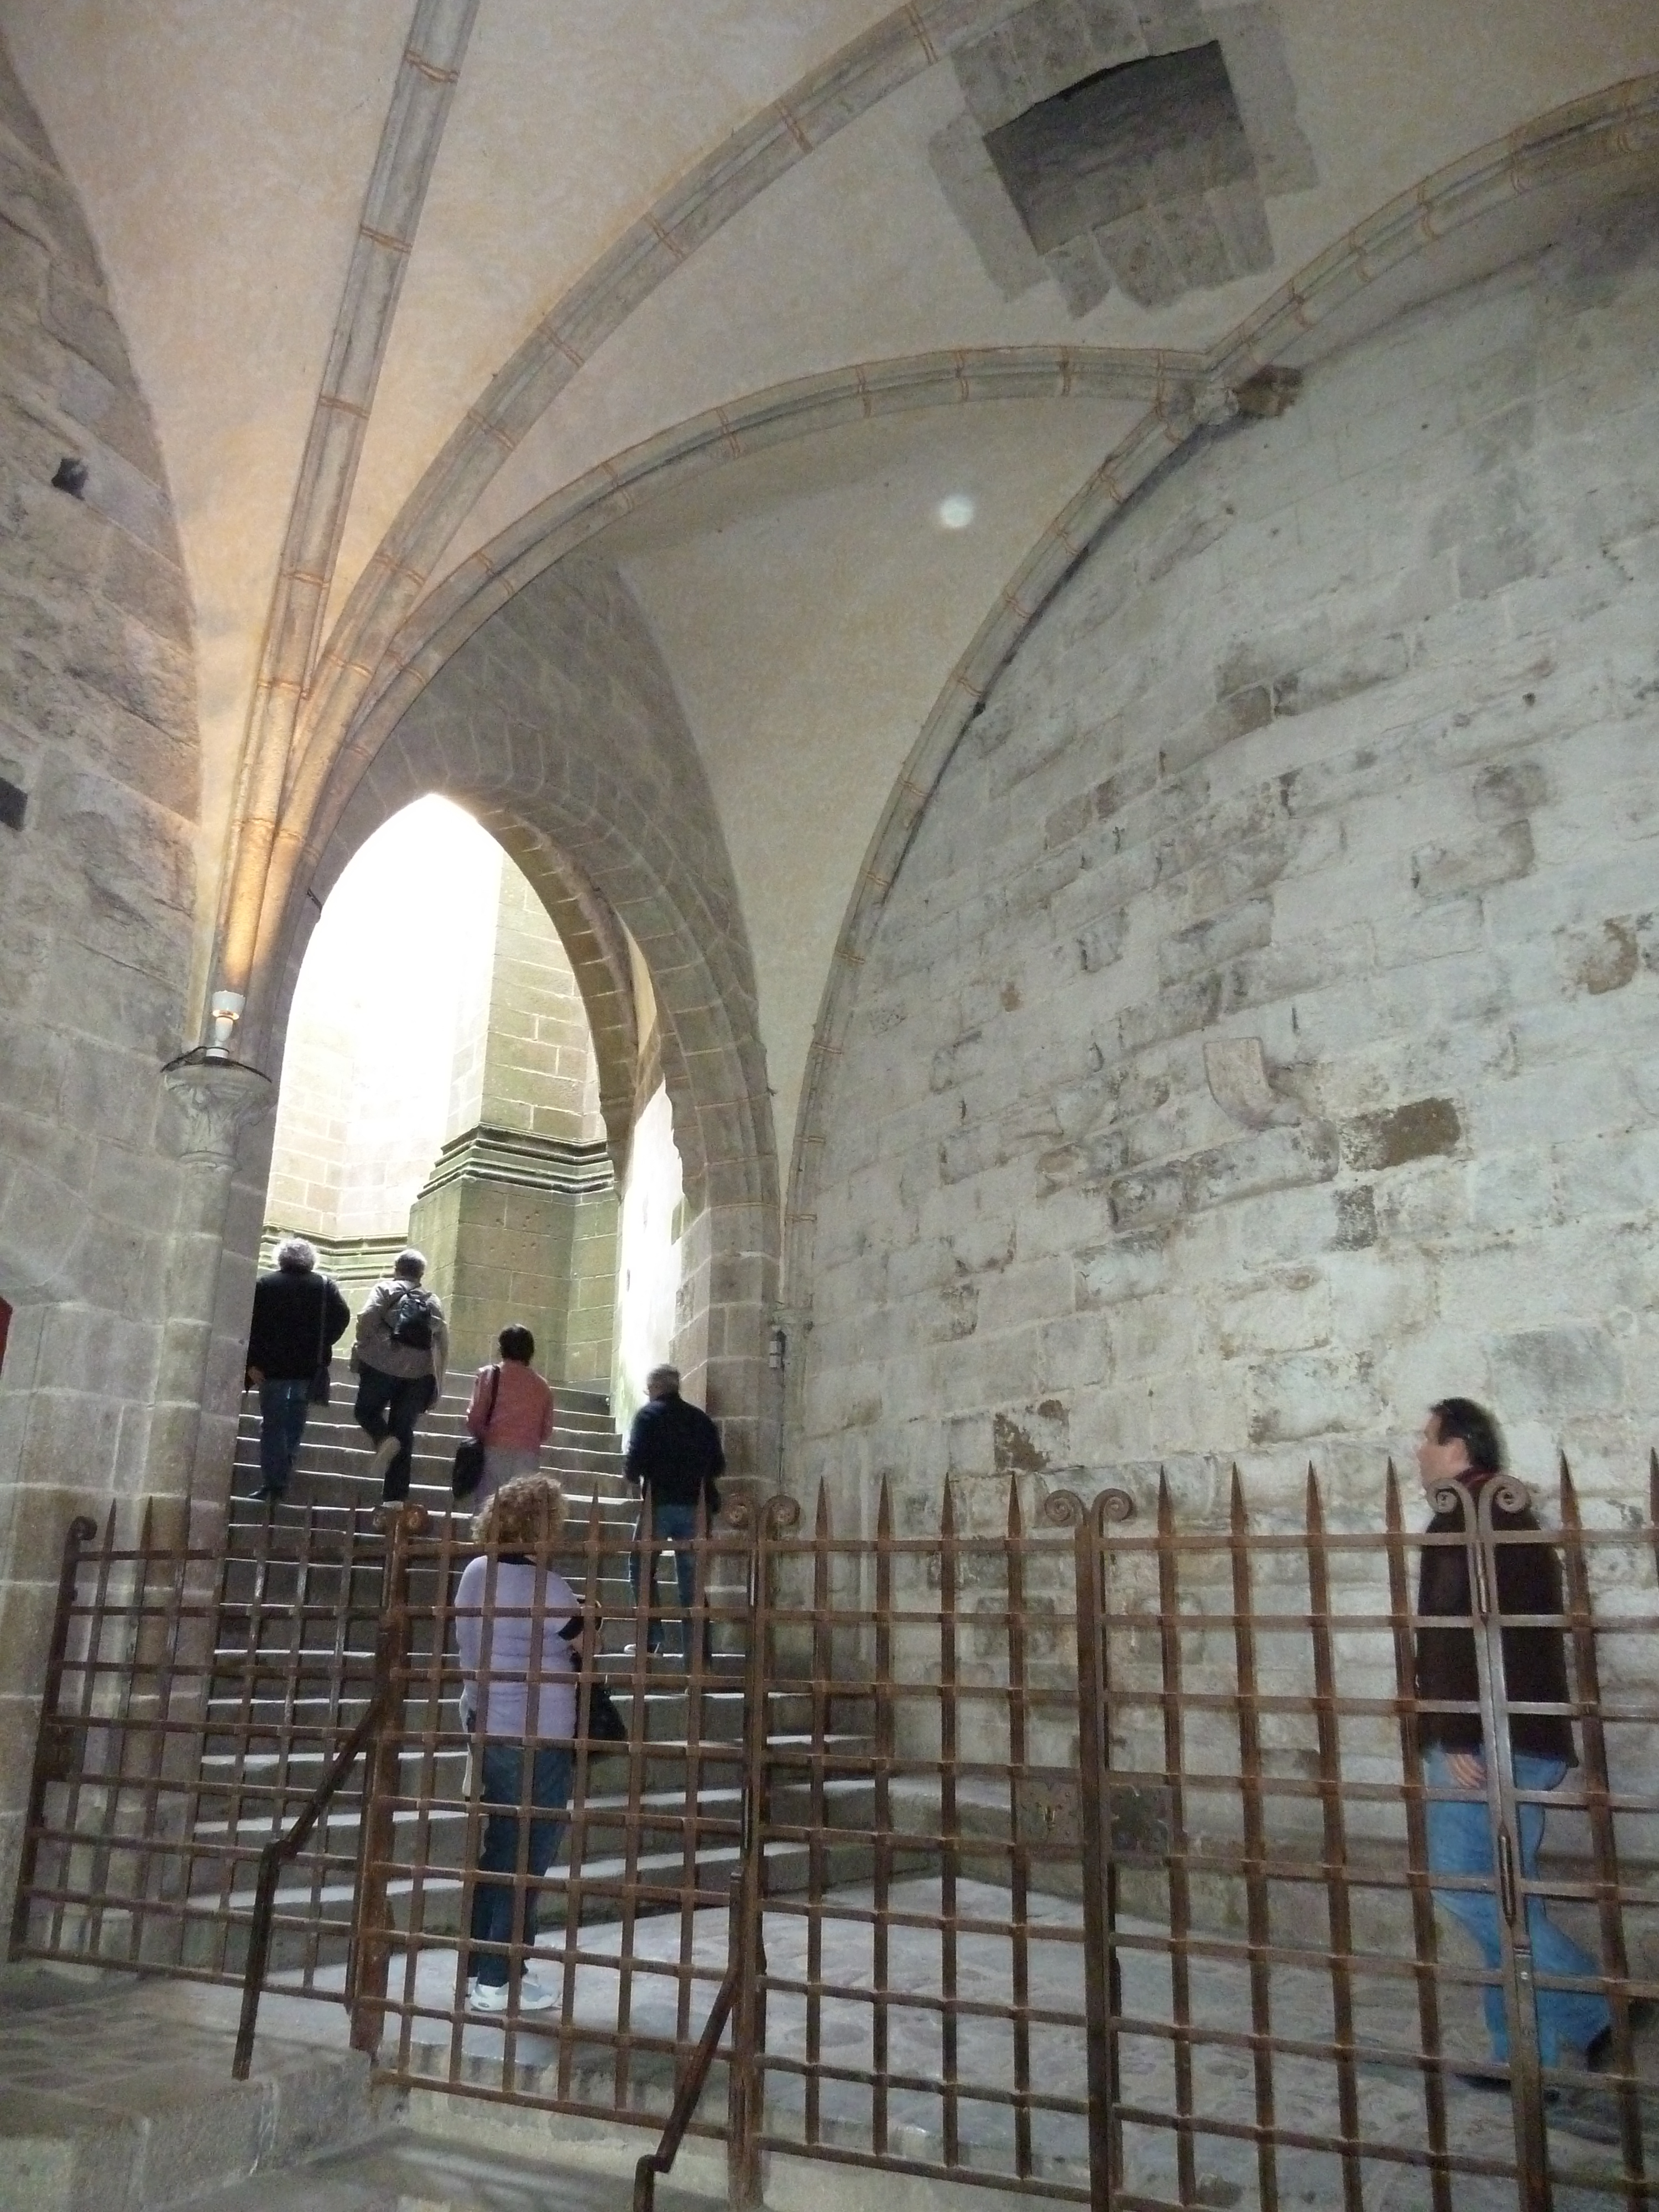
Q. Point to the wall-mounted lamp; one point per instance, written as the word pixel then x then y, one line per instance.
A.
pixel 777 1350
pixel 224 1011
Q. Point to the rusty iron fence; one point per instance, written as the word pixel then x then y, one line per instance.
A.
pixel 191 1699
pixel 1076 1847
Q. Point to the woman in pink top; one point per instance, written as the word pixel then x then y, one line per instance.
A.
pixel 512 1416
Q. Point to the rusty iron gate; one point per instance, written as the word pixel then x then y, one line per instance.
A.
pixel 1072 1846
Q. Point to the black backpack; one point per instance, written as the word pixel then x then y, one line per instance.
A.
pixel 409 1319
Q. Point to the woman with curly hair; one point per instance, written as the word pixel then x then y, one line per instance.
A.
pixel 518 1622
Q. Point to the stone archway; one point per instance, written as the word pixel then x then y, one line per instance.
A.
pixel 557 725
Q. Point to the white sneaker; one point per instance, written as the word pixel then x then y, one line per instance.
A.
pixel 384 1452
pixel 497 1996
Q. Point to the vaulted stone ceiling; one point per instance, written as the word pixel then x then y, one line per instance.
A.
pixel 638 211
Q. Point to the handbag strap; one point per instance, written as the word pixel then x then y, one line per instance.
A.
pixel 495 1392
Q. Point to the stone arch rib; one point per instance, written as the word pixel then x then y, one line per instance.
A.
pixel 557 725
pixel 1167 382
pixel 1586 134
pixel 910 38
pixel 366 680
pixel 777 415
pixel 421 94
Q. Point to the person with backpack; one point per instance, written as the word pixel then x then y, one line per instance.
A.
pixel 400 1354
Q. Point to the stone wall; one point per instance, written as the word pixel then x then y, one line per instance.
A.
pixel 1263 1035
pixel 98 737
pixel 539 1075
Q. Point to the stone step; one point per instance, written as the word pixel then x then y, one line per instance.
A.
pixel 847 1801
pixel 342 1452
pixel 141 2113
pixel 666 1708
pixel 405 2170
pixel 448 1426
pixel 332 1470
pixel 327 1905
pixel 571 1402
pixel 432 1441
pixel 303 1766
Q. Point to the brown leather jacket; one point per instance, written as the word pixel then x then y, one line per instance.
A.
pixel 1534 1659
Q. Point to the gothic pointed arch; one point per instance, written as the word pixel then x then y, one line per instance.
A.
pixel 558 725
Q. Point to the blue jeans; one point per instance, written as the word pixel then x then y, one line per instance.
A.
pixel 1461 1842
pixel 283 1410
pixel 676 1525
pixel 503 1913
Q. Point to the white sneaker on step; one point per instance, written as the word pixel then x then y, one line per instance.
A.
pixel 496 1997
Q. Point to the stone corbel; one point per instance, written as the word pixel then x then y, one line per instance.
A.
pixel 1238 1076
pixel 214 1102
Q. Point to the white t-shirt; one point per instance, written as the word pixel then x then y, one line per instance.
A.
pixel 515 1697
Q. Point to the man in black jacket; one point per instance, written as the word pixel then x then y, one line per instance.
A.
pixel 1459 1442
pixel 675 1455
pixel 298 1317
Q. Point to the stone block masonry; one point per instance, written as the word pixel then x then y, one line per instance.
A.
pixel 519 1217
pixel 98 740
pixel 1341 749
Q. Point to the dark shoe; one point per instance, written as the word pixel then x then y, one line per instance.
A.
pixel 1598 2052
pixel 1494 2085
pixel 267 1496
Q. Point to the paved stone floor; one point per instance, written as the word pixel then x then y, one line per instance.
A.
pixel 1392 2105
pixel 142 2070
pixel 406 2173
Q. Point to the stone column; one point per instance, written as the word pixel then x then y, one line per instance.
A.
pixel 518 1218
pixel 215 1103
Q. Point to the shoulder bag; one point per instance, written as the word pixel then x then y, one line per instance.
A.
pixel 599 1720
pixel 320 1378
pixel 467 1472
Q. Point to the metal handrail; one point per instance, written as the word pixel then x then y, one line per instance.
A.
pixel 272 1859
pixel 696 2078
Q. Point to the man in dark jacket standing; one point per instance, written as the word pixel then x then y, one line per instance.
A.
pixel 1459 1442
pixel 298 1317
pixel 675 1455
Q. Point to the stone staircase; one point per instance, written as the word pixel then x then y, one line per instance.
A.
pixel 332 1474
pixel 284 1594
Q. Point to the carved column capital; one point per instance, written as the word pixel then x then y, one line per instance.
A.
pixel 214 1102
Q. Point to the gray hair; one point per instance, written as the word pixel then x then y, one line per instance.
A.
pixel 294 1253
pixel 669 1375
pixel 410 1264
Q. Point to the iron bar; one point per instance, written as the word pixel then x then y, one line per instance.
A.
pixel 980 1787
